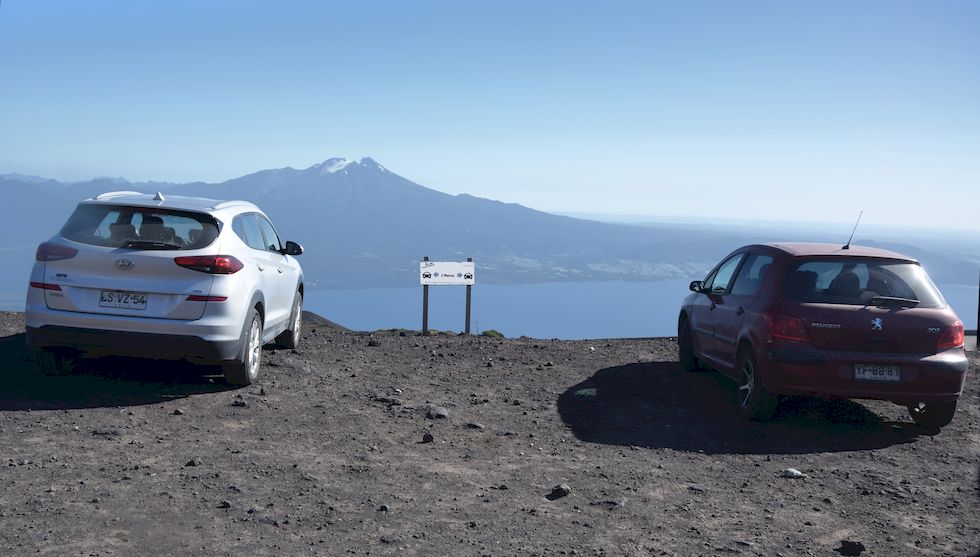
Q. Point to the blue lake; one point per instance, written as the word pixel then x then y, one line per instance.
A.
pixel 555 310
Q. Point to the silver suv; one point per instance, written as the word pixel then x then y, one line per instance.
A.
pixel 165 277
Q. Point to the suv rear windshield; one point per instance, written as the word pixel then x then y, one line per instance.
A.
pixel 862 281
pixel 122 226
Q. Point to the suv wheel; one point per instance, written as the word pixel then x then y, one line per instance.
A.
pixel 244 369
pixel 290 337
pixel 933 415
pixel 755 402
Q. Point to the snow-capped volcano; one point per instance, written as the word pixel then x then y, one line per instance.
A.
pixel 337 164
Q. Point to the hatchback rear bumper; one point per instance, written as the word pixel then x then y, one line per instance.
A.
pixel 807 371
pixel 99 342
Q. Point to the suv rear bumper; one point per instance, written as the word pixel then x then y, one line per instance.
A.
pixel 807 371
pixel 124 343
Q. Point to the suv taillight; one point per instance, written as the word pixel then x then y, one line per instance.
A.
pixel 786 327
pixel 214 264
pixel 951 337
pixel 54 252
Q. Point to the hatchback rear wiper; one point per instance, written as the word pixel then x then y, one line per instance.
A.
pixel 893 301
pixel 148 244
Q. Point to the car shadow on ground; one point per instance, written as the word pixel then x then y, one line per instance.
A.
pixel 98 383
pixel 657 405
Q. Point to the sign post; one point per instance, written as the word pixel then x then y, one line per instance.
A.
pixel 449 273
pixel 469 289
pixel 425 303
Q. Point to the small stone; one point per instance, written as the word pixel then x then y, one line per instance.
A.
pixel 559 491
pixel 549 364
pixel 240 402
pixel 851 548
pixel 224 505
pixel 193 462
pixel 427 438
pixel 474 425
pixel 437 413
pixel 262 391
pixel 178 412
pixel 383 509
pixel 373 343
pixel 793 473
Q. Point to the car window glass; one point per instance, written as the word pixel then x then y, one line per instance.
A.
pixel 751 274
pixel 857 282
pixel 121 226
pixel 269 233
pixel 723 276
pixel 247 228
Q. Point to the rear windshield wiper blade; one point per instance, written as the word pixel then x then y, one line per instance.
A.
pixel 147 244
pixel 893 301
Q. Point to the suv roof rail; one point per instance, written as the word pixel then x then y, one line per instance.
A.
pixel 233 203
pixel 111 194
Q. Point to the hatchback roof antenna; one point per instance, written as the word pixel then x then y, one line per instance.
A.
pixel 848 244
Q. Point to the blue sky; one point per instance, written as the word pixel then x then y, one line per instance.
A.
pixel 759 110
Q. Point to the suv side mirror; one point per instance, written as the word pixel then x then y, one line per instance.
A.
pixel 697 286
pixel 292 248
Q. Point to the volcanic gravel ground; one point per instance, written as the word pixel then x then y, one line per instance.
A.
pixel 381 443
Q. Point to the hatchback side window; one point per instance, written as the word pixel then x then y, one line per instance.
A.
pixel 247 228
pixel 271 238
pixel 751 274
pixel 719 283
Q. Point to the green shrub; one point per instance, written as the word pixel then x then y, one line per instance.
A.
pixel 492 334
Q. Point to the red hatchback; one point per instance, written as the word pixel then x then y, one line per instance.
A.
pixel 819 319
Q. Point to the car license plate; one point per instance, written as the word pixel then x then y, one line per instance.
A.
pixel 878 373
pixel 120 299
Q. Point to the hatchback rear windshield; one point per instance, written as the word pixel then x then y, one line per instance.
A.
pixel 121 226
pixel 862 282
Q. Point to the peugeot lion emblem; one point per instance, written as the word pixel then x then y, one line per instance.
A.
pixel 124 263
pixel 876 324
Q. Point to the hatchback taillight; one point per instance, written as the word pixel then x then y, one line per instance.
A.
pixel 952 337
pixel 54 252
pixel 214 264
pixel 787 327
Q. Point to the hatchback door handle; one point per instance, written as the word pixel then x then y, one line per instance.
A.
pixel 740 310
pixel 280 269
pixel 261 268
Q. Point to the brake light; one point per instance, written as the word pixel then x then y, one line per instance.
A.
pixel 45 286
pixel 213 264
pixel 199 298
pixel 54 252
pixel 786 327
pixel 951 337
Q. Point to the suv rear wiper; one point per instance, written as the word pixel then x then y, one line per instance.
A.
pixel 893 301
pixel 148 244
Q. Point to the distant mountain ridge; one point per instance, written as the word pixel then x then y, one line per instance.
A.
pixel 364 226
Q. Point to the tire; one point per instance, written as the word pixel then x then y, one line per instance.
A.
pixel 54 361
pixel 685 348
pixel 932 415
pixel 290 337
pixel 754 401
pixel 244 369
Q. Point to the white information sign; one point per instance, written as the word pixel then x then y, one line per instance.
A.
pixel 455 273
